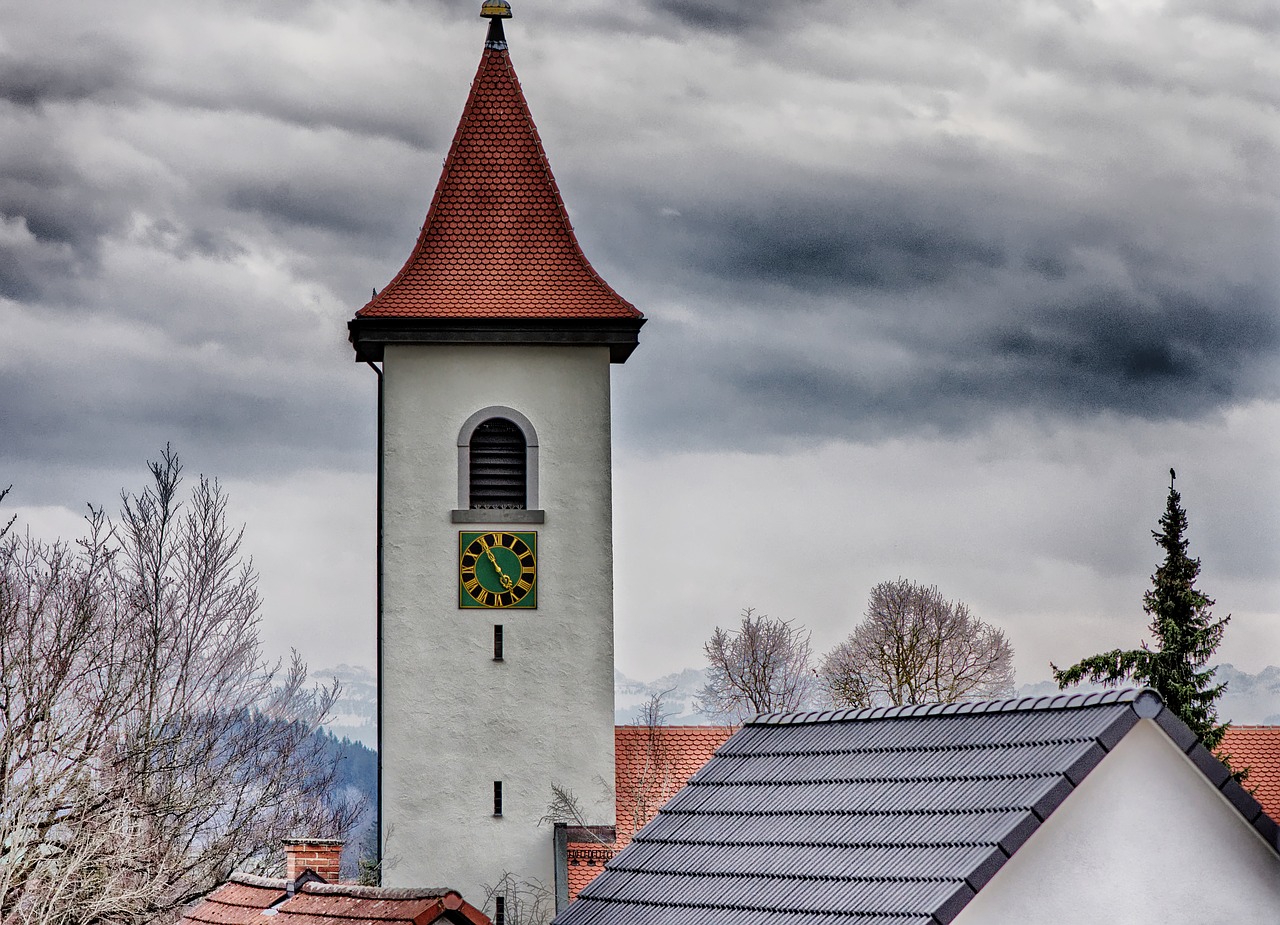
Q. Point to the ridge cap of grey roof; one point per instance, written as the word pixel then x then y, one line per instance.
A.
pixel 1063 701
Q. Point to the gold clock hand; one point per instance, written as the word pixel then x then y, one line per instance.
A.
pixel 502 576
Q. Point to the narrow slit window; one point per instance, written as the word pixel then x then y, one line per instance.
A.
pixel 499 467
pixel 497 642
pixel 500 910
pixel 497 798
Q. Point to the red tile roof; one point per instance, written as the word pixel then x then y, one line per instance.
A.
pixel 651 764
pixel 497 242
pixel 239 901
pixel 1258 749
pixel 242 900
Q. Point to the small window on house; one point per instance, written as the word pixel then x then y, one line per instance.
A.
pixel 498 466
pixel 497 798
pixel 500 910
pixel 497 642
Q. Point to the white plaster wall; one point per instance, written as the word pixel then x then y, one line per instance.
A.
pixel 1144 839
pixel 454 720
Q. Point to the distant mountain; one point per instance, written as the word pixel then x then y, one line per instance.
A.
pixel 680 692
pixel 1251 699
pixel 355 715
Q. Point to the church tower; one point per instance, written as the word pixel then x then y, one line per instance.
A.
pixel 495 510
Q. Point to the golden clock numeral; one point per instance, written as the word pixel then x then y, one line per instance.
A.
pixel 482 597
pixel 524 585
pixel 472 585
pixel 526 561
pixel 504 600
pixel 468 571
pixel 519 547
pixel 469 559
pixel 497 539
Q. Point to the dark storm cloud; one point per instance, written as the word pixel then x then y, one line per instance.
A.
pixel 841 242
pixel 843 221
pixel 52 414
pixel 731 16
pixel 310 204
pixel 92 67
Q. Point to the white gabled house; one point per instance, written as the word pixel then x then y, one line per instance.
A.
pixel 1075 808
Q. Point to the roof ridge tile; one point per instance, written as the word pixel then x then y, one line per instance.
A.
pixel 912 710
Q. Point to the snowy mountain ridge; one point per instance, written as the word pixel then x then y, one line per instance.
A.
pixel 1250 699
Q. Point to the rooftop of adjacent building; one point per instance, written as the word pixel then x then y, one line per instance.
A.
pixel 907 811
pixel 246 899
pixel 1256 748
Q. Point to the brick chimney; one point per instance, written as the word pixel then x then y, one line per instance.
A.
pixel 323 855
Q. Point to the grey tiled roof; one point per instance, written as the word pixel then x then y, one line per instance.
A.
pixel 875 817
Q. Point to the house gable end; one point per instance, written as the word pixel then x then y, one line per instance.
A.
pixel 1144 837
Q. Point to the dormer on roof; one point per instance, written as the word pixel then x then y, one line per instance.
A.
pixel 497 260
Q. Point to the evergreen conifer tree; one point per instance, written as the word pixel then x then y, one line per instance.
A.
pixel 1185 633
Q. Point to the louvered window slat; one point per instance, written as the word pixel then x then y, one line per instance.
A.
pixel 498 467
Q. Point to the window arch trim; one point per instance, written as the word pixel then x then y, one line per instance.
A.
pixel 532 514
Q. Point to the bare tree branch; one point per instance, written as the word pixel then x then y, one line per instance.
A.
pixel 916 647
pixel 760 667
pixel 523 902
pixel 146 749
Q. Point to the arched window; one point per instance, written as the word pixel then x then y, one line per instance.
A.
pixel 497 468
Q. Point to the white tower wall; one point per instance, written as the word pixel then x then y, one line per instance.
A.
pixel 454 719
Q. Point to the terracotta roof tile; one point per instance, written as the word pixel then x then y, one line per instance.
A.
pixel 651 765
pixel 241 901
pixel 497 242
pixel 1258 749
pixel 236 904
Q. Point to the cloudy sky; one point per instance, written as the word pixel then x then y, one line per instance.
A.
pixel 936 290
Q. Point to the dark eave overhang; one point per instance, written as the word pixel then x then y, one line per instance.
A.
pixel 370 336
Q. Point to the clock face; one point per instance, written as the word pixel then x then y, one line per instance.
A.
pixel 498 570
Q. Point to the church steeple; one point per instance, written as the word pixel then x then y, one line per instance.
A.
pixel 497 244
pixel 495 517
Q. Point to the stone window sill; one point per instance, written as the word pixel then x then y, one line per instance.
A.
pixel 499 516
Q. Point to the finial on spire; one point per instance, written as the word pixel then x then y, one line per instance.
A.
pixel 1172 475
pixel 496 11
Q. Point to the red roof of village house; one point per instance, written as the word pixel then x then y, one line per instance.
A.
pixel 243 899
pixel 651 764
pixel 497 242
pixel 1258 749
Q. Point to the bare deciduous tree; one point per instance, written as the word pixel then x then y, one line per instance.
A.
pixel 917 647
pixel 650 785
pixel 146 749
pixel 760 667
pixel 523 902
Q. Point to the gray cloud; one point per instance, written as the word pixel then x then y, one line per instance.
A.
pixel 93 67
pixel 926 225
pixel 971 265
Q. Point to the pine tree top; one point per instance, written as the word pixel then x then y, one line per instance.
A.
pixel 1184 632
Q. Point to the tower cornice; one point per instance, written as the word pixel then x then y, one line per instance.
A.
pixel 370 336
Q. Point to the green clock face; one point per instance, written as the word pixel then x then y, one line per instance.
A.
pixel 497 570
